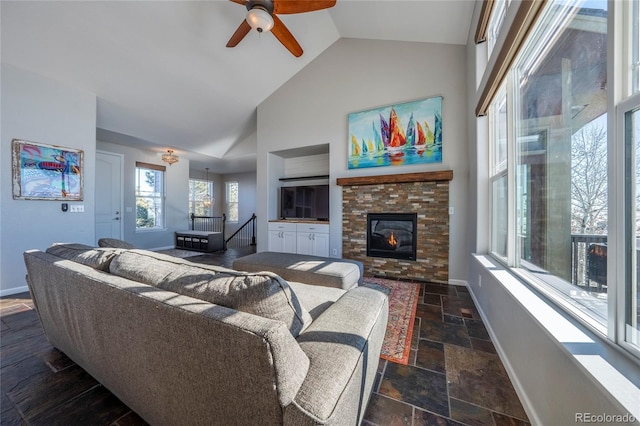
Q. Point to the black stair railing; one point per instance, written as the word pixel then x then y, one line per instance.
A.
pixel 245 235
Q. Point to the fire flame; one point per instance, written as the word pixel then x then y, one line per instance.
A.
pixel 392 240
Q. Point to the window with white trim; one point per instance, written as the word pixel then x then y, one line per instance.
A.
pixel 232 201
pixel 634 36
pixel 630 331
pixel 498 175
pixel 200 197
pixel 569 179
pixel 498 12
pixel 149 196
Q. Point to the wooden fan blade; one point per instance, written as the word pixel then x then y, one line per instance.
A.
pixel 242 2
pixel 301 6
pixel 283 34
pixel 237 37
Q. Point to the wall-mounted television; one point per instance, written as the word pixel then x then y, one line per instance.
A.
pixel 304 202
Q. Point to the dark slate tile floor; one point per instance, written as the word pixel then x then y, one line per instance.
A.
pixel 454 375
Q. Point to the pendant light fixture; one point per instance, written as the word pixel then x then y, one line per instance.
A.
pixel 208 199
pixel 170 158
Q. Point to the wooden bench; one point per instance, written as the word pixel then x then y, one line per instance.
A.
pixel 200 241
pixel 316 270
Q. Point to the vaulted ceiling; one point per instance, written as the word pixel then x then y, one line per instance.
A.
pixel 164 78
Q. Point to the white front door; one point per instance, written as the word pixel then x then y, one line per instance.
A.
pixel 108 195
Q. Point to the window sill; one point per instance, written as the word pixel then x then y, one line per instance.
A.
pixel 615 373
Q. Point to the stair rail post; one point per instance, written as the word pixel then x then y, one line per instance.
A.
pixel 224 225
pixel 253 229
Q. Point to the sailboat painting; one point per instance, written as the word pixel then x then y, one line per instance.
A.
pixel 396 135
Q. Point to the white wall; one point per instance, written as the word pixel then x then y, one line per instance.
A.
pixel 176 201
pixel 41 110
pixel 354 75
pixel 306 165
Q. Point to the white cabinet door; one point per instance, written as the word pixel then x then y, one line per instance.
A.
pixel 275 242
pixel 289 243
pixel 305 243
pixel 313 239
pixel 321 245
pixel 282 237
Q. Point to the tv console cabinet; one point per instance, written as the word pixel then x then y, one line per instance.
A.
pixel 301 237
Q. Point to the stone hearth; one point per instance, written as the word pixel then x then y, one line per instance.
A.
pixel 426 194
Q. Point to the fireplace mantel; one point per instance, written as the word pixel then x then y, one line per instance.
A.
pixel 443 175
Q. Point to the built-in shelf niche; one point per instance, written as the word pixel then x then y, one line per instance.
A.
pixel 304 163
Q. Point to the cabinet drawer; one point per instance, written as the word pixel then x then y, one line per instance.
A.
pixel 282 226
pixel 321 228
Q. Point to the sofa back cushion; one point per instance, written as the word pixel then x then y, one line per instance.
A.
pixel 97 258
pixel 115 243
pixel 264 294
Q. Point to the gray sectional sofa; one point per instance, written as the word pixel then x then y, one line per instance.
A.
pixel 184 343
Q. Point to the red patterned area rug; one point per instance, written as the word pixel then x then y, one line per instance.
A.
pixel 403 300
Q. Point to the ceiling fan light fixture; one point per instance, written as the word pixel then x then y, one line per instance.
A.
pixel 259 19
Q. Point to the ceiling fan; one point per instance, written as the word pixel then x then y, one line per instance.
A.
pixel 262 16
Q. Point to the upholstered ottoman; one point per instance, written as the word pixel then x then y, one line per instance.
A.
pixel 325 271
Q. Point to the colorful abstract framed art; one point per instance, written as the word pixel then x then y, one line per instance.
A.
pixel 46 172
pixel 395 135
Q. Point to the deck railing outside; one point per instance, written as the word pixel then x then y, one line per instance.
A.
pixel 589 262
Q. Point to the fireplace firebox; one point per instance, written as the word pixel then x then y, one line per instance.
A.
pixel 392 235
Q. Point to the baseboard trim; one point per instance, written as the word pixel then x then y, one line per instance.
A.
pixel 161 248
pixel 517 385
pixel 15 290
pixel 462 283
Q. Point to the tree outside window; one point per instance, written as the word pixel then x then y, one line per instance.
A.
pixel 149 198
pixel 198 192
pixel 232 201
pixel 589 179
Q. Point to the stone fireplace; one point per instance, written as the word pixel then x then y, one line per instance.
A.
pixel 377 205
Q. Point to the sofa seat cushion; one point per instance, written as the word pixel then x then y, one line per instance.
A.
pixel 315 298
pixel 343 342
pixel 96 258
pixel 264 294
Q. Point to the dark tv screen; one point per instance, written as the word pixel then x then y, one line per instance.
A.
pixel 304 202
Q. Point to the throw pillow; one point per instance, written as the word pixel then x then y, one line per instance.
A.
pixel 97 258
pixel 264 294
pixel 115 243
